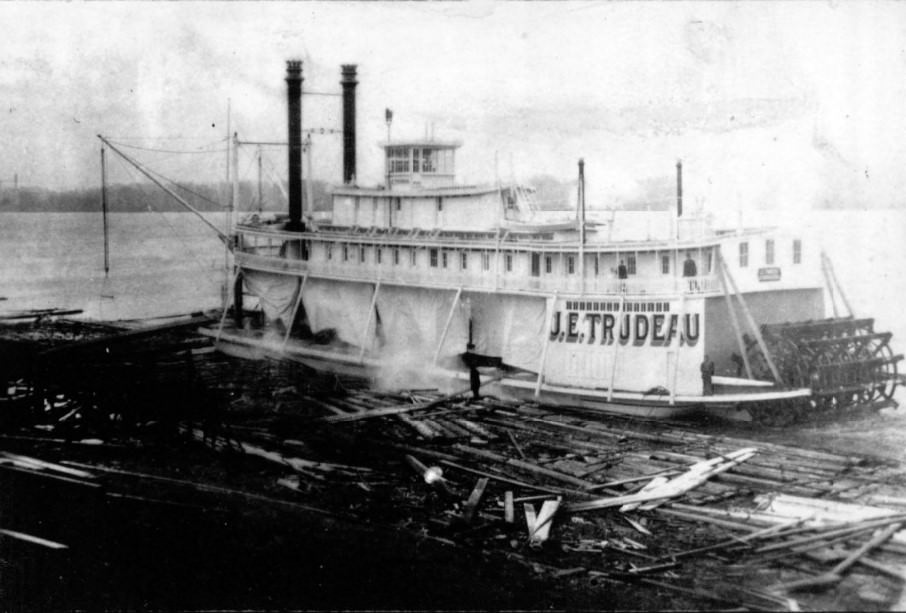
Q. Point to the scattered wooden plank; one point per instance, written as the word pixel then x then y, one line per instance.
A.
pixel 471 505
pixel 512 438
pixel 694 476
pixel 30 538
pixel 834 576
pixel 526 466
pixel 509 514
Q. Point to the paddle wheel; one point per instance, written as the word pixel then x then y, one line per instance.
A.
pixel 843 360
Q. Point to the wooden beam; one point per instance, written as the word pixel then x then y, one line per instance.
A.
pixel 734 320
pixel 471 505
pixel 292 318
pixel 443 335
pixel 377 288
pixel 551 303
pixel 751 321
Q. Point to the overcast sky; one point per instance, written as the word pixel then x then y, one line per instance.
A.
pixel 767 103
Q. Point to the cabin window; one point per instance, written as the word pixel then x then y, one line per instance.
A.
pixel 399 159
pixel 665 264
pixel 769 251
pixel 709 261
pixel 464 260
pixel 428 160
pixel 412 258
pixel 440 204
pixel 597 271
pixel 329 249
pixel 399 203
pixel 485 260
pixel 345 253
pixel 743 255
pixel 797 251
pixel 415 160
pixel 443 258
pixel 433 258
pixel 570 264
pixel 508 260
pixel 396 257
pixel 378 255
pixel 630 264
pixel 362 253
pixel 548 264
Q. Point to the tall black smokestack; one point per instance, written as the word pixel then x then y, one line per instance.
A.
pixel 348 82
pixel 679 188
pixel 294 104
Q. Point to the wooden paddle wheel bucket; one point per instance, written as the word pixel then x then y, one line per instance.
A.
pixel 843 360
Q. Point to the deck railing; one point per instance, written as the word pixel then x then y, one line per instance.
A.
pixel 479 279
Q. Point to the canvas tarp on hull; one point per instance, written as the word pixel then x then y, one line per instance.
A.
pixel 341 306
pixel 511 327
pixel 413 320
pixel 276 293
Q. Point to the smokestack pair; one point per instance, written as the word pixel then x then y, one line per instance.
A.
pixel 294 105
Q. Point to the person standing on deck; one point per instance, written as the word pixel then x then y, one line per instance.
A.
pixel 474 376
pixel 707 369
pixel 690 270
pixel 622 274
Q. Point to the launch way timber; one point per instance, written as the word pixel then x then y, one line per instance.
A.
pixel 425 276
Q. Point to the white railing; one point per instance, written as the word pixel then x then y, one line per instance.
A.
pixel 482 280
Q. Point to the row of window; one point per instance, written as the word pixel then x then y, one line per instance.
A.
pixel 416 160
pixel 439 258
pixel 629 307
pixel 769 252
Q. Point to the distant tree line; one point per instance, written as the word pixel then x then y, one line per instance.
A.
pixel 144 197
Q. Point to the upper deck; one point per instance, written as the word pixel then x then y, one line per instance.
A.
pixel 536 262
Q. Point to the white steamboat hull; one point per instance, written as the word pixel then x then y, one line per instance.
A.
pixel 254 345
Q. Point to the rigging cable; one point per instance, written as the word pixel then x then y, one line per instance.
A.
pixel 205 269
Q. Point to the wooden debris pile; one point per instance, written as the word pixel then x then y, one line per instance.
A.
pixel 596 497
pixel 696 516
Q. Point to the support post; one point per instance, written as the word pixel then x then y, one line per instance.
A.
pixel 833 276
pixel 377 287
pixel 443 335
pixel 104 211
pixel 225 310
pixel 551 303
pixel 751 321
pixel 828 284
pixel 616 345
pixel 679 345
pixel 292 319
pixel 735 322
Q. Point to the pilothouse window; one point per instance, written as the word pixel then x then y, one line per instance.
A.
pixel 797 251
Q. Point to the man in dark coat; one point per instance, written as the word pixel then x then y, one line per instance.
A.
pixel 707 369
pixel 474 377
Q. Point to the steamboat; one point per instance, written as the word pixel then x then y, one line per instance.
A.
pixel 425 276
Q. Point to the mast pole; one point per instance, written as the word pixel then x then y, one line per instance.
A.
pixel 260 201
pixel 580 210
pixel 104 211
pixel 309 190
pixel 225 294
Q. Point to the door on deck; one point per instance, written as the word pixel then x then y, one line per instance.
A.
pixel 536 264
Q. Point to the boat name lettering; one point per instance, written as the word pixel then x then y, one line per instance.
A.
pixel 657 329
